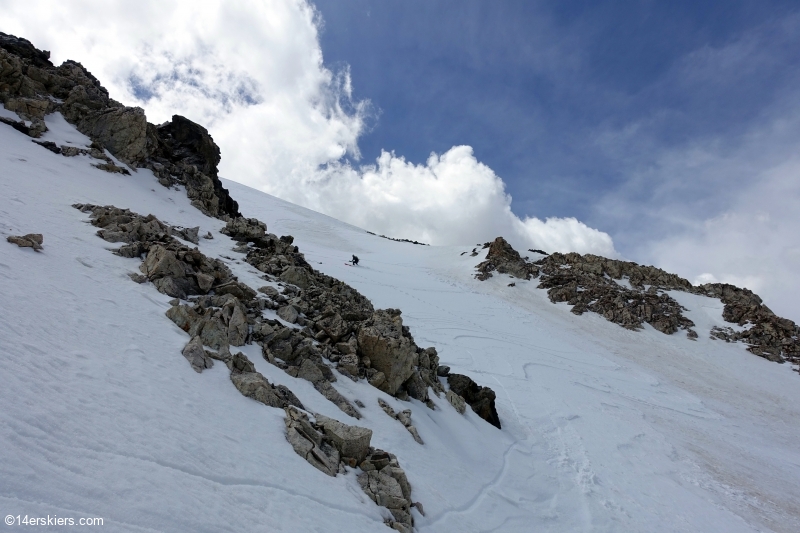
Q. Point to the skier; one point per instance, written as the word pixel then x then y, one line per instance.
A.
pixel 355 260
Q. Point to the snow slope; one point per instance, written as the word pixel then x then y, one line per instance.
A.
pixel 603 429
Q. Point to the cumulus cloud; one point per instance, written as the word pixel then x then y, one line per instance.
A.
pixel 252 71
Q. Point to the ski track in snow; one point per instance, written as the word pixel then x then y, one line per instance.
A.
pixel 604 429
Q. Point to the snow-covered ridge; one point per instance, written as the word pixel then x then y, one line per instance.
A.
pixel 602 428
pixel 630 294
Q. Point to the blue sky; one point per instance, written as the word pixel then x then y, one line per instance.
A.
pixel 538 88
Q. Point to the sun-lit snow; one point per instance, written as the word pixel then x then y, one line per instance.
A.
pixel 604 429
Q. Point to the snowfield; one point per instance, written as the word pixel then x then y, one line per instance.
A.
pixel 604 429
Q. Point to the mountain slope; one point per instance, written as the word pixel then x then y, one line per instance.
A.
pixel 603 429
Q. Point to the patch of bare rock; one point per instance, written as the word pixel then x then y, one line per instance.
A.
pixel 331 447
pixel 630 295
pixel 31 240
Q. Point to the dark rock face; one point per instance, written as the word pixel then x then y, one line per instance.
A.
pixel 481 399
pixel 506 260
pixel 183 152
pixel 24 49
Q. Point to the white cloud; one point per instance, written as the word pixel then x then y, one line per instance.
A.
pixel 252 72
pixel 723 211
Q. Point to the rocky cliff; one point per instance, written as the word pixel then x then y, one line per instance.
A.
pixel 178 152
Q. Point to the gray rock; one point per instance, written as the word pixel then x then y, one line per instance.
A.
pixel 296 276
pixel 310 372
pixel 383 489
pixel 269 290
pixel 196 355
pixel 237 325
pixel 288 313
pixel 235 288
pixel 389 351
pixel 309 443
pixel 29 108
pixel 187 234
pixel 31 240
pixel 121 130
pixel 137 278
pixel 245 229
pixel 255 386
pixel 240 363
pixel 351 441
pixel 161 263
pixel 404 417
pixel 204 281
pixel 336 328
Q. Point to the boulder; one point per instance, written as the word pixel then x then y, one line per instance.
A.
pixel 309 442
pixel 383 489
pixel 382 340
pixel 31 240
pixel 336 327
pixel 503 258
pixel 29 108
pixel 288 313
pixel 297 276
pixel 481 399
pixel 161 263
pixel 351 441
pixel 255 386
pixel 196 355
pixel 120 130
pixel 245 229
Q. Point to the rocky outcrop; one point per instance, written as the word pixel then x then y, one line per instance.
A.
pixel 387 485
pixel 481 399
pixel 505 260
pixel 381 339
pixel 31 240
pixel 196 355
pixel 182 152
pixel 588 284
pixel 330 446
pixel 768 335
pixel 175 269
pixel 630 295
pixel 255 386
pixel 178 152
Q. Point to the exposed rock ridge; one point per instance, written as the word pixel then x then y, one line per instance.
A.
pixel 630 294
pixel 178 152
pixel 769 336
pixel 366 343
